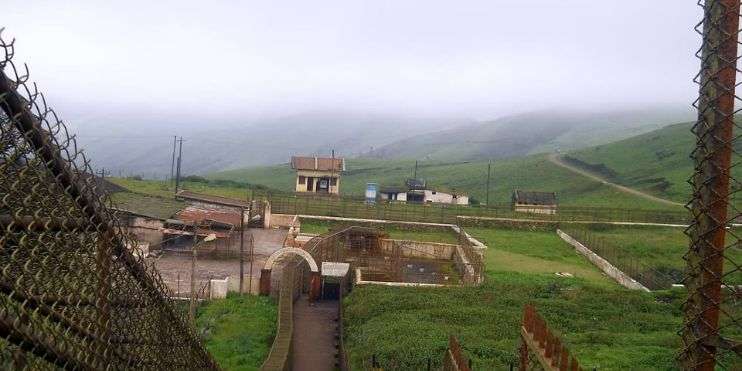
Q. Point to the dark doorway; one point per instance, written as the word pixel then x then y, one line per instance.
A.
pixel 331 291
pixel 310 184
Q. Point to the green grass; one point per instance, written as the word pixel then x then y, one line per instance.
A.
pixel 603 324
pixel 657 162
pixel 239 330
pixel 156 206
pixel 315 226
pixel 609 328
pixel 531 172
pixel 538 252
pixel 163 188
pixel 650 247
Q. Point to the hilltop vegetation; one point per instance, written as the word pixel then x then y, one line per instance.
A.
pixel 529 133
pixel 604 325
pixel 533 172
pixel 657 162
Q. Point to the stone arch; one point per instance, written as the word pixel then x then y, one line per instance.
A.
pixel 292 250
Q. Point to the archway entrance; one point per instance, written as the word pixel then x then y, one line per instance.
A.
pixel 265 273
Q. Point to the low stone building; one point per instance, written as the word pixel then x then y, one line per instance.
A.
pixel 534 202
pixel 318 175
pixel 417 191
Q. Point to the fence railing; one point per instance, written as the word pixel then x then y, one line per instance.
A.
pixel 444 213
pixel 651 277
pixel 72 293
pixel 279 357
pixel 542 347
pixel 454 359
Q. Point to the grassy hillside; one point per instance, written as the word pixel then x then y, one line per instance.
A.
pixel 533 172
pixel 530 133
pixel 657 162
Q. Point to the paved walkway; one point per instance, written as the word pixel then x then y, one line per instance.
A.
pixel 314 335
pixel 554 158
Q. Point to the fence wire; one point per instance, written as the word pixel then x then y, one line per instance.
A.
pixel 72 294
pixel 712 328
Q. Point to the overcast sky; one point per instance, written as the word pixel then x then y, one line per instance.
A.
pixel 478 59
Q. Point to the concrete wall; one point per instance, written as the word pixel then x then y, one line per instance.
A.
pixel 219 288
pixel 402 196
pixel 535 209
pixel 622 278
pixel 417 249
pixel 146 230
pixel 316 175
pixel 445 198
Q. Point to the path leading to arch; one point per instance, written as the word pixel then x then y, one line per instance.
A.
pixel 314 335
pixel 555 159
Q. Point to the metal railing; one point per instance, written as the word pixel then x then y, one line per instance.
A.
pixel 448 214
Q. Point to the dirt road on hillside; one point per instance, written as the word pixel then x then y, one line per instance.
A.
pixel 554 158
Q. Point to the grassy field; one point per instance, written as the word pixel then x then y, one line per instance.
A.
pixel 156 206
pixel 604 325
pixel 238 330
pixel 531 172
pixel 314 226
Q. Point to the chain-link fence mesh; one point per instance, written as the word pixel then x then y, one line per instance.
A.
pixel 712 329
pixel 72 294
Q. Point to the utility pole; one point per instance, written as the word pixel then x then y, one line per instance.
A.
pixel 414 174
pixel 252 249
pixel 172 165
pixel 332 172
pixel 242 248
pixel 177 174
pixel 103 173
pixel 192 307
pixel 489 171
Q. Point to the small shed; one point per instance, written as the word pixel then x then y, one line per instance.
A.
pixel 393 193
pixel 334 279
pixel 534 202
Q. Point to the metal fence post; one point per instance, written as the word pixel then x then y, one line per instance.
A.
pixel 711 184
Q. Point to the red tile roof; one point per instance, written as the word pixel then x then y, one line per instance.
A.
pixel 317 163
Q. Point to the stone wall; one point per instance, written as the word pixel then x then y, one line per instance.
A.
pixel 604 265
pixel 418 249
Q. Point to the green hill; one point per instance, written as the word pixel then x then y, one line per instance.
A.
pixel 533 172
pixel 657 162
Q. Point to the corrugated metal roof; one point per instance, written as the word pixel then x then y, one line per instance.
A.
pixel 317 163
pixel 334 269
pixel 534 198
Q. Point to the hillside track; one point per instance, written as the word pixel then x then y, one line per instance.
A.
pixel 556 160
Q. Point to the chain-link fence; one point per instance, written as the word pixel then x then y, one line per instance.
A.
pixel 713 329
pixel 72 294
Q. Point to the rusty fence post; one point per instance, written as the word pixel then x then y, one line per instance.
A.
pixel 710 182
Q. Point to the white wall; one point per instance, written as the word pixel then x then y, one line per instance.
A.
pixel 445 198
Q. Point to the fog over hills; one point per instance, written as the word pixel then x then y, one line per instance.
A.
pixel 533 132
pixel 129 145
pixel 135 146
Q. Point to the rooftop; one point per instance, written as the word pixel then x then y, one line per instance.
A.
pixel 534 198
pixel 318 163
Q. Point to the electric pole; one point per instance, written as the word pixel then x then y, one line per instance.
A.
pixel 414 174
pixel 242 248
pixel 192 306
pixel 177 173
pixel 489 171
pixel 172 165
